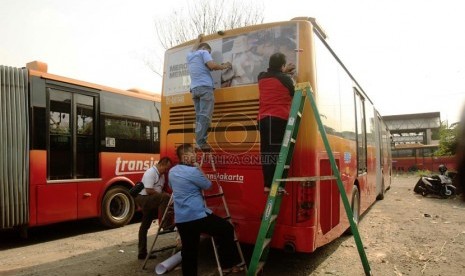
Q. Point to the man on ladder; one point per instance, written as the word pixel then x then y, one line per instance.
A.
pixel 276 89
pixel 193 218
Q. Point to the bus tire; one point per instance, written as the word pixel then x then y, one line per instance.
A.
pixel 117 207
pixel 381 195
pixel 355 206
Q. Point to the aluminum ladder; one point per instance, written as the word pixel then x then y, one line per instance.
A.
pixel 207 158
pixel 161 231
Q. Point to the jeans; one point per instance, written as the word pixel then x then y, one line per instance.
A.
pixel 215 226
pixel 271 137
pixel 203 104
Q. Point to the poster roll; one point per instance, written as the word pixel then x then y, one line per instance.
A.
pixel 168 264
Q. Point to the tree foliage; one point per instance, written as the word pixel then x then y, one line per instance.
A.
pixel 447 140
pixel 206 17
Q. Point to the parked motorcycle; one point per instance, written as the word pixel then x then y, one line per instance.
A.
pixel 440 185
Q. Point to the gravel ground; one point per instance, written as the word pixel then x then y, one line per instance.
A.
pixel 404 234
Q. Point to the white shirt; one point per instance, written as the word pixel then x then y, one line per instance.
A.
pixel 153 180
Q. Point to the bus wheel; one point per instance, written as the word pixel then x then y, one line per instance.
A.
pixel 355 206
pixel 381 195
pixel 117 207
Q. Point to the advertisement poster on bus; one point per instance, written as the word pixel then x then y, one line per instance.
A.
pixel 248 53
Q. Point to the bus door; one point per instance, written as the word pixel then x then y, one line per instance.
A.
pixel 379 155
pixel 361 142
pixel 71 154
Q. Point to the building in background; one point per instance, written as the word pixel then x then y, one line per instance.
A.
pixel 415 138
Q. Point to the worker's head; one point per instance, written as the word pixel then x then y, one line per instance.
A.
pixel 205 46
pixel 164 164
pixel 186 154
pixel 277 62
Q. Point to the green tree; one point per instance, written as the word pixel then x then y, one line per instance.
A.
pixel 447 139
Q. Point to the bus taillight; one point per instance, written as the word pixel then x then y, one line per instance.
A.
pixel 305 201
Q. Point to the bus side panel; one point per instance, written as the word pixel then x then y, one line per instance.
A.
pixel 38 170
pixel 52 202
pixel 329 198
pixel 56 202
pixel 370 191
pixel 89 198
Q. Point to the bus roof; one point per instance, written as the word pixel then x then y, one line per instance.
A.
pixel 39 69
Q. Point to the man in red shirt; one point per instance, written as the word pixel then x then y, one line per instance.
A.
pixel 276 89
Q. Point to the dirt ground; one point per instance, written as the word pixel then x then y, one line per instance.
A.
pixel 404 234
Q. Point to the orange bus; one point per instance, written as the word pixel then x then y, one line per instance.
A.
pixel 71 149
pixel 312 214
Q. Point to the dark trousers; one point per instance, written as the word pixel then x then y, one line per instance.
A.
pixel 150 204
pixel 271 137
pixel 215 226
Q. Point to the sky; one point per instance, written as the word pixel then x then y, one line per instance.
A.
pixel 408 55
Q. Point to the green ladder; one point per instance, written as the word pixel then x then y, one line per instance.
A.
pixel 273 203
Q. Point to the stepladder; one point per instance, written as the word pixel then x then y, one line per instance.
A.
pixel 175 245
pixel 215 199
pixel 280 178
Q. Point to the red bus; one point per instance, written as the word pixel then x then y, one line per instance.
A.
pixel 71 149
pixel 413 157
pixel 312 214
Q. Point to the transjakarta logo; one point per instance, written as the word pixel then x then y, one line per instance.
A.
pixel 124 167
pixel 224 177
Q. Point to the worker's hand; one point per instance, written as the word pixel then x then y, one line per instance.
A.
pixel 289 69
pixel 227 65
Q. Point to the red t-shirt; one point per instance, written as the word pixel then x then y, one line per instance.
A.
pixel 275 94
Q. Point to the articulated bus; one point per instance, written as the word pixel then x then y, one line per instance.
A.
pixel 412 157
pixel 71 149
pixel 312 213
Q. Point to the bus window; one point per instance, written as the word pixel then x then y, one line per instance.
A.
pixel 128 127
pixel 86 146
pixel 361 133
pixel 60 154
pixel 71 130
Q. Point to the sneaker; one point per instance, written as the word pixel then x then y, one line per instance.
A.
pixel 204 147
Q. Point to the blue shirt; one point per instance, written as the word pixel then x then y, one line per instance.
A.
pixel 187 184
pixel 198 70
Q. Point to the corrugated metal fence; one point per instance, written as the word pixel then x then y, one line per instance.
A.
pixel 14 147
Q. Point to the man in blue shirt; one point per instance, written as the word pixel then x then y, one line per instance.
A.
pixel 192 217
pixel 200 63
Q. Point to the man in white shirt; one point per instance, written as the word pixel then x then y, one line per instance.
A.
pixel 151 200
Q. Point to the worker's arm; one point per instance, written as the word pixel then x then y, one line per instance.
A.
pixel 215 66
pixel 200 179
pixel 150 191
pixel 197 42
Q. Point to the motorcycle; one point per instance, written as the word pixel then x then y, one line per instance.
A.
pixel 440 185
